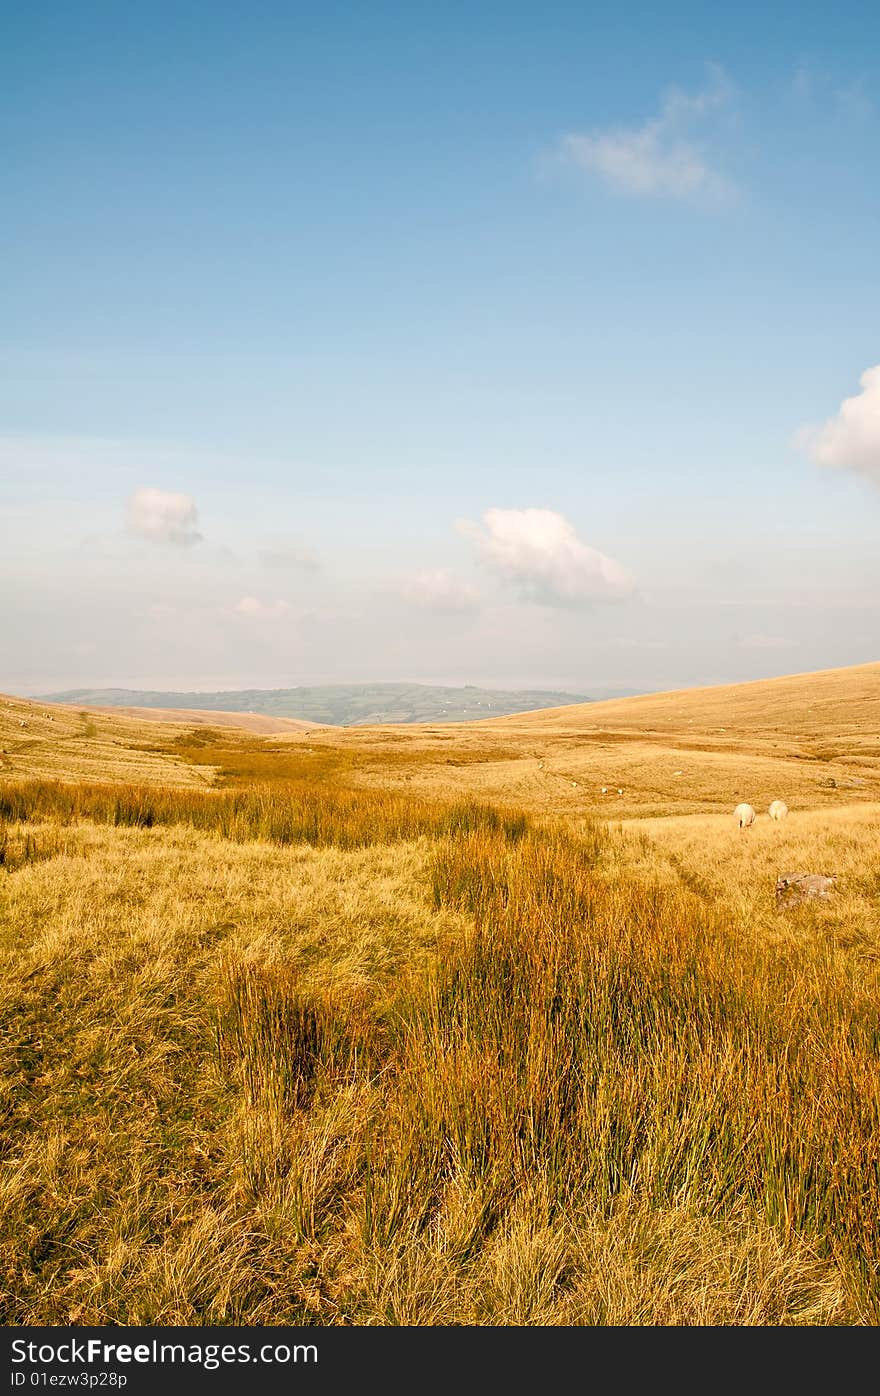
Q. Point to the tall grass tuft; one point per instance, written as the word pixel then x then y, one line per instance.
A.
pixel 609 1037
pixel 285 1041
pixel 281 812
pixel 599 1102
pixel 593 1043
pixel 20 845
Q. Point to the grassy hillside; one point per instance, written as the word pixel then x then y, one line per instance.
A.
pixel 260 724
pixel 40 739
pixel 310 1029
pixel 821 705
pixel 338 705
pixel 810 739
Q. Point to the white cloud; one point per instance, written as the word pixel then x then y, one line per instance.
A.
pixel 540 552
pixel 163 517
pixel 660 157
pixel 851 440
pixel 439 591
pixel 254 609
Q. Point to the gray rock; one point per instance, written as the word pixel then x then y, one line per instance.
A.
pixel 792 889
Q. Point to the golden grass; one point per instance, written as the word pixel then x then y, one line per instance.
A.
pixel 283 813
pixel 403 1121
pixel 829 706
pixel 52 742
pixel 261 724
pixel 812 740
pixel 121 1177
pixel 321 1045
pixel 739 869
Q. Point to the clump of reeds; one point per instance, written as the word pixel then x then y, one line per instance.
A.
pixel 280 812
pixel 595 1039
pixel 599 1081
pixel 285 1040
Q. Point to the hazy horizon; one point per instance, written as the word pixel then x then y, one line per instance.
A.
pixel 598 690
pixel 479 345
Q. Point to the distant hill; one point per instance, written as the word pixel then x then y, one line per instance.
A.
pixel 829 706
pixel 341 705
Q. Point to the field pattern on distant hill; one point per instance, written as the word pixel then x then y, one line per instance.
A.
pixel 339 705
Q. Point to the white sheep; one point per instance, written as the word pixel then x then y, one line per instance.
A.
pixel 744 815
pixel 778 809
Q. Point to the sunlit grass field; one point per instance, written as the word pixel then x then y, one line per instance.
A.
pixel 421 1028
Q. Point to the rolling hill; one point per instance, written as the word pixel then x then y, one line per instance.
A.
pixel 825 704
pixel 812 739
pixel 338 705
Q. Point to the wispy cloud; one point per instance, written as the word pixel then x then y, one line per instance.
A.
pixel 253 609
pixel 288 555
pixel 163 517
pixel 761 641
pixel 663 157
pixel 851 439
pixel 540 553
pixel 440 591
pixel 850 100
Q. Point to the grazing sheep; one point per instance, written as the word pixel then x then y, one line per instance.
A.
pixel 619 791
pixel 744 815
pixel 778 809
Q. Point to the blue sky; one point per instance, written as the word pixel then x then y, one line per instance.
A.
pixel 350 342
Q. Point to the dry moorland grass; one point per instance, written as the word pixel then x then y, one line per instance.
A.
pixel 814 739
pixel 51 741
pixel 303 1049
pixel 260 724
